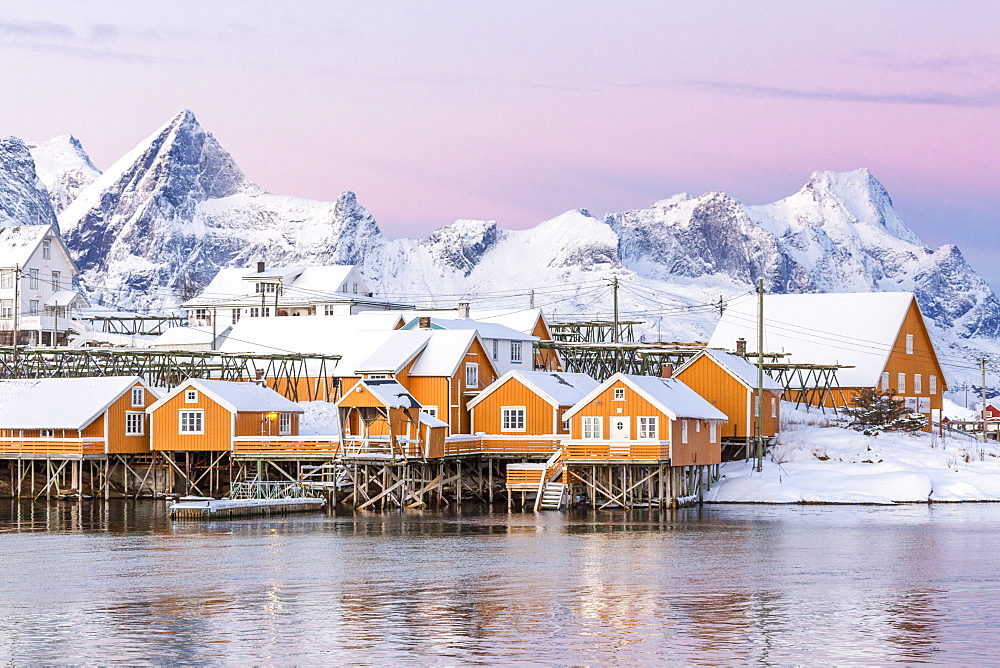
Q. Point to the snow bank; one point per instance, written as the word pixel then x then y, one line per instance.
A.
pixel 813 464
pixel 319 419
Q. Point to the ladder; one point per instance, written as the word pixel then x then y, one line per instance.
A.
pixel 552 497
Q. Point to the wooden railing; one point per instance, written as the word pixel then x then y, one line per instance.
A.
pixel 286 445
pixel 653 450
pixel 497 445
pixel 526 477
pixel 52 446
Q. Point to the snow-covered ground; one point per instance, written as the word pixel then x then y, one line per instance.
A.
pixel 319 419
pixel 816 461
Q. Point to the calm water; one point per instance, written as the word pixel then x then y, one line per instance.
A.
pixel 96 583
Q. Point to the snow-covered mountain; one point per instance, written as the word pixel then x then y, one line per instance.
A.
pixel 23 197
pixel 64 167
pixel 159 223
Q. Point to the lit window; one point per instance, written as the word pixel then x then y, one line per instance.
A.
pixel 192 422
pixel 512 418
pixel 918 383
pixel 619 394
pixel 901 383
pixel 284 423
pixel 46 250
pixel 135 423
pixel 515 351
pixel 191 396
pixel 648 427
pixel 932 382
pixel 684 431
pixel 909 344
pixel 471 375
pixel 592 427
pixel 138 397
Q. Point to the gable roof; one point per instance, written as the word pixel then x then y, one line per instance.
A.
pixel 60 403
pixel 669 395
pixel 445 353
pixel 235 396
pixel 523 320
pixel 856 329
pixel 389 392
pixel 396 352
pixel 19 242
pixel 557 388
pixel 487 330
pixel 738 367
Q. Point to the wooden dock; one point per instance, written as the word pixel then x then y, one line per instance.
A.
pixel 200 508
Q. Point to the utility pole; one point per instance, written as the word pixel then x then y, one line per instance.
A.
pixel 214 336
pixel 760 375
pixel 55 327
pixel 614 288
pixel 532 299
pixel 17 311
pixel 722 306
pixel 982 367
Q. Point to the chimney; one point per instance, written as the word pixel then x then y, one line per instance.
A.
pixel 666 371
pixel 741 346
pixel 425 322
pixel 260 267
pixel 463 309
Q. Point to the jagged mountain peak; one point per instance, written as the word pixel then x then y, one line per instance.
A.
pixel 24 199
pixel 64 167
pixel 462 244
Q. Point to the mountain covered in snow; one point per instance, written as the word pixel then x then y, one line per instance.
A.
pixel 24 200
pixel 156 226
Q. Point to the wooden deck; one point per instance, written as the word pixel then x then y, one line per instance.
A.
pixel 51 448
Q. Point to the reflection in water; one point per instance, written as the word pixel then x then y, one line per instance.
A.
pixel 94 582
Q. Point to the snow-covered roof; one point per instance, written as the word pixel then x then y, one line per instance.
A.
pixel 235 396
pixel 856 329
pixel 670 395
pixel 739 367
pixel 389 392
pixel 523 320
pixel 431 421
pixel 397 351
pixel 487 330
pixel 444 353
pixel 558 388
pixel 66 298
pixel 186 336
pixel 59 403
pixel 18 242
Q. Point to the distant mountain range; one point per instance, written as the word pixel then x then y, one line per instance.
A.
pixel 156 226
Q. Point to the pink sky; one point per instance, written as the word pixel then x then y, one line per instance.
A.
pixel 516 112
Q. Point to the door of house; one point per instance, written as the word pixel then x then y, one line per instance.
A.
pixel 619 436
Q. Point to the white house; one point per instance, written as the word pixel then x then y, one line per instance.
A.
pixel 238 292
pixel 507 348
pixel 36 272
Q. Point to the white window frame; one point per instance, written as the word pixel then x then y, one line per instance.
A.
pixel 515 352
pixel 619 394
pixel 6 309
pixel 429 410
pixel 932 382
pixel 513 418
pixel 190 396
pixel 190 418
pixel 329 309
pixel 46 433
pixel 46 249
pixel 138 397
pixel 648 428
pixel 236 315
pixel 918 383
pixel 284 424
pixel 33 307
pixel 885 381
pixel 774 407
pixel 712 431
pixel 900 383
pixel 56 281
pixel 684 430
pixel 131 419
pixel 7 279
pixel 471 374
pixel 32 279
pixel 592 427
pixel 909 344
pixel 254 312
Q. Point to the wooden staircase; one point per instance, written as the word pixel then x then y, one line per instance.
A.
pixel 552 497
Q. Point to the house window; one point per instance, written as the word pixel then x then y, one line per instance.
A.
pixel 191 422
pixel 430 410
pixel 355 288
pixel 45 433
pixel 7 278
pixel 885 381
pixel 512 418
pixel 774 407
pixel 684 431
pixel 909 344
pixel 648 427
pixel 284 424
pixel 619 394
pixel 918 383
pixel 236 315
pixel 266 288
pixel 46 250
pixel 565 426
pixel 496 349
pixel 932 382
pixel 592 427
pixel 201 314
pixel 712 431
pixel 138 397
pixel 33 307
pixel 515 352
pixel 266 312
pixel 329 309
pixel 471 375
pixel 32 279
pixel 901 383
pixel 135 423
pixel 7 309
pixel 56 281
pixel 190 396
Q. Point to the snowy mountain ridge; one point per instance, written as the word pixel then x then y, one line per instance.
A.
pixel 157 225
